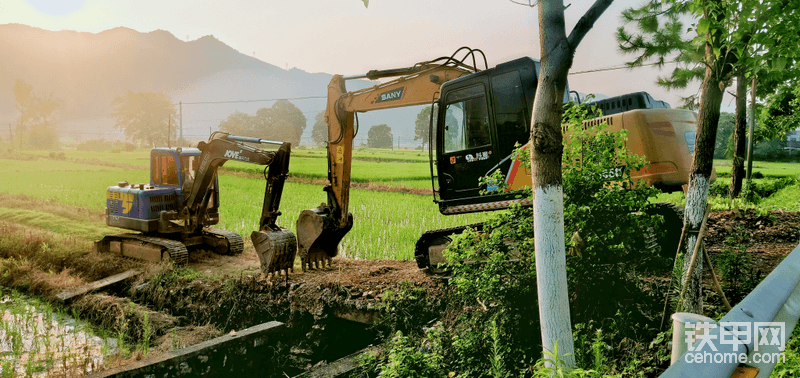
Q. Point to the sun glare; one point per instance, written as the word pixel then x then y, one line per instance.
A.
pixel 56 7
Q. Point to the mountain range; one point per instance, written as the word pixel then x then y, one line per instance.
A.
pixel 211 80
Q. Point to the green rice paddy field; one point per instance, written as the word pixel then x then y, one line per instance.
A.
pixel 386 226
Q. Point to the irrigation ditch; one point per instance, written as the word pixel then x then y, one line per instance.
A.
pixel 200 320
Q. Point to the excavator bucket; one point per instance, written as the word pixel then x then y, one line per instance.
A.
pixel 319 234
pixel 276 249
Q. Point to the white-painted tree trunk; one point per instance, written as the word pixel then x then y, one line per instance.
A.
pixel 551 272
pixel 696 197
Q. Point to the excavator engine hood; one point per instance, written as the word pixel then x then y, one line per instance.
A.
pixel 318 234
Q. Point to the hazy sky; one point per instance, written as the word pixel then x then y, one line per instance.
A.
pixel 342 36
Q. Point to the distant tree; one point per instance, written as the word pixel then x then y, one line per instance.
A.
pixel 22 94
pixel 41 132
pixel 320 131
pixel 282 122
pixel 145 117
pixel 238 123
pixel 36 124
pixel 285 119
pixel 422 126
pixel 380 136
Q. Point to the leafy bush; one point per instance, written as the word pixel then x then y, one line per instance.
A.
pixel 753 191
pixel 492 327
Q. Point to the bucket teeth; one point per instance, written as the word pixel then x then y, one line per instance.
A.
pixel 316 258
pixel 276 250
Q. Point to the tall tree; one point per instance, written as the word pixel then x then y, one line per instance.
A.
pixel 319 134
pixel 285 116
pixel 727 33
pixel 380 136
pixel 145 117
pixel 755 36
pixel 557 54
pixel 422 126
pixel 739 136
pixel 238 123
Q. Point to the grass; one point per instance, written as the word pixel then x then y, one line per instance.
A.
pixel 766 168
pixel 362 171
pixel 386 225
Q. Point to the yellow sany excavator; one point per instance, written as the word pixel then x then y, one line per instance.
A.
pixel 477 118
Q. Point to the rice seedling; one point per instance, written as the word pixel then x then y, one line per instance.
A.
pixel 34 340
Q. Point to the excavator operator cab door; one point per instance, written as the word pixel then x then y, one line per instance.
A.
pixel 165 166
pixel 177 168
pixel 480 119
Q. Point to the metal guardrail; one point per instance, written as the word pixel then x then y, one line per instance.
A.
pixel 774 300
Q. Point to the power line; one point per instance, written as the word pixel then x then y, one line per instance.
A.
pixel 248 101
pixel 620 67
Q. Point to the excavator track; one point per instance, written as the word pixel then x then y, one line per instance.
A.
pixel 142 247
pixel 235 241
pixel 429 247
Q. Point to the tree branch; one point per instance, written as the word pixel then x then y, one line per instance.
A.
pixel 586 22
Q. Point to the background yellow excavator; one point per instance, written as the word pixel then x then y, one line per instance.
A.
pixel 478 116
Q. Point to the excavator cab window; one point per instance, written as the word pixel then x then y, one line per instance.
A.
pixel 466 120
pixel 164 170
pixel 510 111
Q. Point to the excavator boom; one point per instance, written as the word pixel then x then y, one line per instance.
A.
pixel 321 229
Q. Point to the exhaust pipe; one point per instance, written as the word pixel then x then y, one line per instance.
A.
pixel 319 234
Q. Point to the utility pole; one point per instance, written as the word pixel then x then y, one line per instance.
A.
pixel 169 129
pixel 180 118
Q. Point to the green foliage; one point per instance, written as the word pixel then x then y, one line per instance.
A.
pixel 422 126
pixel 407 360
pixel 738 274
pixel 319 134
pixel 723 147
pixel 102 145
pixel 753 191
pixel 598 187
pixel 282 122
pixel 380 136
pixel 778 116
pixel 146 117
pixel 36 124
pixel 790 367
pixel 407 307
pixel 495 330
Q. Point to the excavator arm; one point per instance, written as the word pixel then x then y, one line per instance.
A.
pixel 276 246
pixel 321 229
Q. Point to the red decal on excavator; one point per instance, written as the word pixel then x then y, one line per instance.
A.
pixel 512 171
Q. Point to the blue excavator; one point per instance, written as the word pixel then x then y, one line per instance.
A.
pixel 172 215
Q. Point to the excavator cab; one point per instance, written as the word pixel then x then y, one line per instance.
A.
pixel 479 119
pixel 177 168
